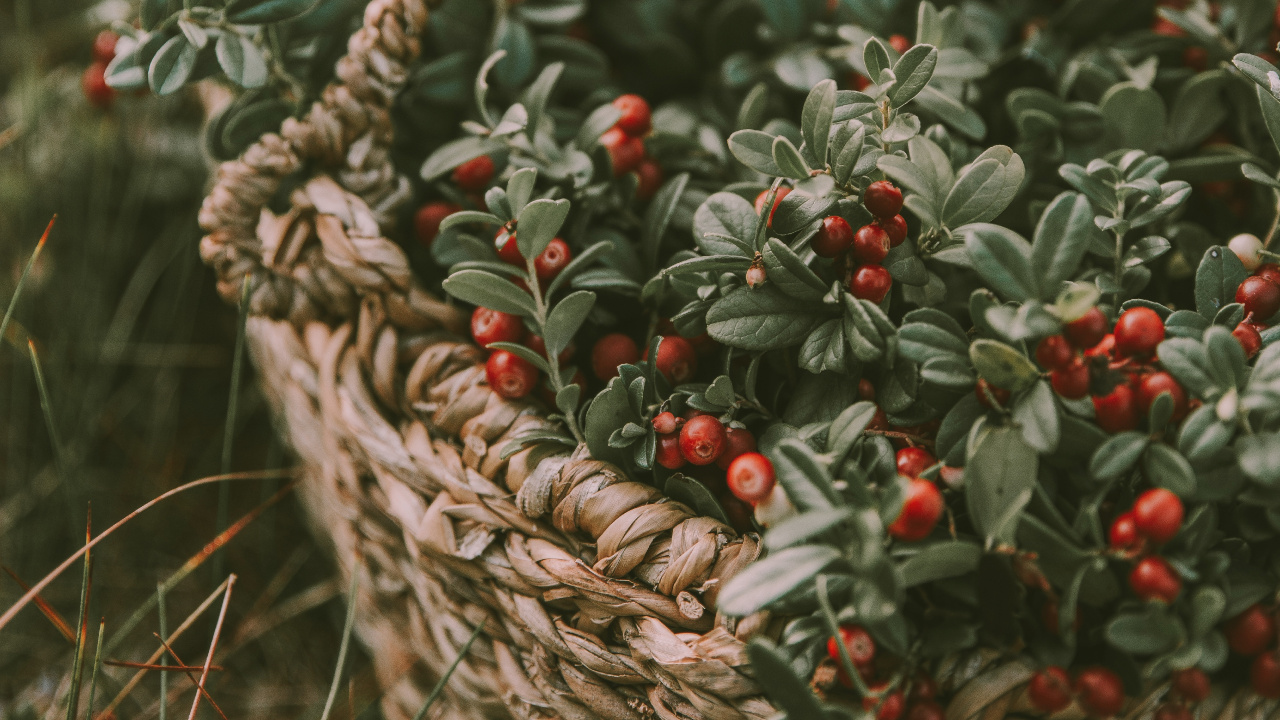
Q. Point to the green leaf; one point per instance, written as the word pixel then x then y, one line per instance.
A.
pixel 1207 606
pixel 875 56
pixel 596 124
pixel 454 153
pixel 787 17
pixel 1259 457
pixel 537 96
pixel 806 481
pixel 658 217
pixel 609 410
pixel 913 71
pixel 948 371
pixel 172 65
pixel 1000 478
pixel 1117 455
pixel 1062 237
pixel 790 274
pixel 467 217
pixel 903 127
pixel 262 12
pixel 1270 107
pixel 520 189
pixel 760 319
pixel 774 578
pixel 1147 633
pixel 686 490
pixel 985 188
pixel 805 526
pixel 849 152
pixel 489 291
pixel 538 224
pixel 1203 435
pixel 534 358
pixel 1002 257
pixel 1134 117
pixel 939 561
pixel 788 160
pixel 787 690
pixel 1219 274
pixel 815 124
pixel 124 72
pixel 824 349
pixel 1166 468
pixel 1188 361
pixel 241 61
pixel 1002 365
pixel 1037 413
pixel 754 149
pixel 724 213
pixel 919 341
pixel 565 318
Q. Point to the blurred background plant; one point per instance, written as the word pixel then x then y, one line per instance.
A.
pixel 136 353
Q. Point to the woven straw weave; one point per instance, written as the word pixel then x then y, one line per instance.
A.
pixel 597 593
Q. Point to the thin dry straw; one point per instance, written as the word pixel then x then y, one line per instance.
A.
pixel 346 641
pixel 213 647
pixel 199 687
pixel 82 629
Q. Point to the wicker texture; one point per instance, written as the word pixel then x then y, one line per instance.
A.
pixel 597 593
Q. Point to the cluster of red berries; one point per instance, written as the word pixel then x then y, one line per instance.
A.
pixel 625 145
pixel 94 80
pixel 702 439
pixel 923 504
pixel 1260 295
pixel 860 82
pixel 1155 519
pixel 1252 633
pixel 919 702
pixel 1098 690
pixel 1085 346
pixel 864 250
pixel 677 358
pixel 509 375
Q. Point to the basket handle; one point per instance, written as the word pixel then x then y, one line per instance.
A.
pixel 347 134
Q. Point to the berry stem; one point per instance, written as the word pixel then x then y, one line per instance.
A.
pixel 541 309
pixel 1275 223
pixel 833 627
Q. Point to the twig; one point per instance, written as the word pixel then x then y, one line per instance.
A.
pixel 198 683
pixel 158 668
pixel 213 647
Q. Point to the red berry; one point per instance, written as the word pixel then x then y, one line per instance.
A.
pixel 782 192
pixel 862 649
pixel 1050 689
pixel 490 326
pixel 1087 330
pixel 1072 380
pixel 920 512
pixel 927 710
pixel 1249 338
pixel 1054 352
pixel 1269 271
pixel 1251 632
pixel 890 707
pixel 1100 691
pixel 866 391
pixel 625 152
pixel 665 423
pixel 750 477
pixel 1265 675
pixel 104 46
pixel 94 85
pixel 870 244
pixel 1195 58
pixel 912 461
pixel 738 441
pixel 871 282
pixel 636 119
pixel 702 439
pixel 668 454
pixel 1116 412
pixel 1172 711
pixel 1155 579
pixel 474 175
pixel 509 375
pixel 611 351
pixel 833 238
pixel 1261 297
pixel 882 199
pixel 1139 330
pixel 508 251
pixel 1124 533
pixel 924 688
pixel 1154 385
pixel 896 226
pixel 899 43
pixel 552 260
pixel 1157 514
pixel 426 223
pixel 677 360
pixel 1106 347
pixel 650 179
pixel 1192 684
pixel 985 392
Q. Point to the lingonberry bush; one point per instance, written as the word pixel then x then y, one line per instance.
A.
pixel 972 310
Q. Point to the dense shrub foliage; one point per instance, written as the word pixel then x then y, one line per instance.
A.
pixel 970 306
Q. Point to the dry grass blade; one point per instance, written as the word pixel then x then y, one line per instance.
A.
pixel 22 602
pixel 444 679
pixel 198 683
pixel 346 641
pixel 260 625
pixel 97 666
pixel 190 566
pixel 77 662
pixel 26 271
pixel 213 648
pixel 233 401
pixel 45 607
pixel 137 677
pixel 159 668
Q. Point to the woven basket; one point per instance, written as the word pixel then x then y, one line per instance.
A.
pixel 597 593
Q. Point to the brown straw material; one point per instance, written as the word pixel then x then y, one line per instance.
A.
pixel 597 593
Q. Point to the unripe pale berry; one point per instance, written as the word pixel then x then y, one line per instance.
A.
pixel 665 423
pixel 1248 248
